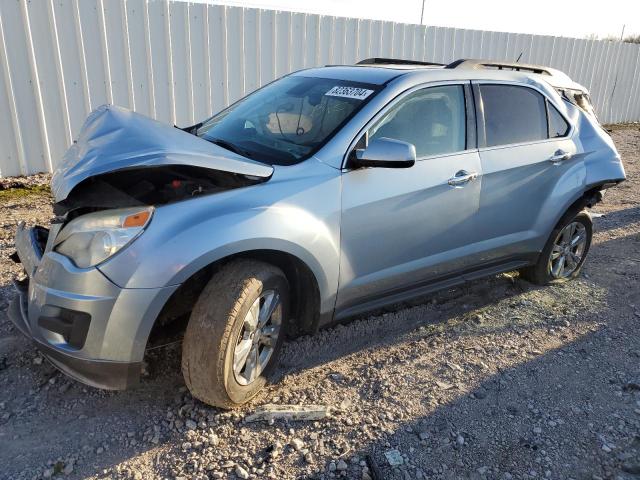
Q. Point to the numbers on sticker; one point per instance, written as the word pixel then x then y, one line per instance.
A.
pixel 349 92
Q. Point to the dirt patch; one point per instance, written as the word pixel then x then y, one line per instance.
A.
pixel 31 181
pixel 497 379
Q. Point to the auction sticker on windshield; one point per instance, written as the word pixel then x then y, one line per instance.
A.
pixel 349 92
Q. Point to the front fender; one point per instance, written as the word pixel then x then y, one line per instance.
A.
pixel 182 238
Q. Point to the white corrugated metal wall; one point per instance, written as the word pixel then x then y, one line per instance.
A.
pixel 179 62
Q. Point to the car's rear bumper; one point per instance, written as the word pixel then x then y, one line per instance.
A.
pixel 88 327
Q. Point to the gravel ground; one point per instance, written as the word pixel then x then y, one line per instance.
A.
pixel 498 379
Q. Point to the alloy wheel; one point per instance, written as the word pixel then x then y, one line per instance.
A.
pixel 568 250
pixel 258 338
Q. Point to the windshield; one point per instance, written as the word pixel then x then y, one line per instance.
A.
pixel 287 120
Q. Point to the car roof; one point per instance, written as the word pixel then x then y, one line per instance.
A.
pixel 377 72
pixel 372 75
pixel 553 76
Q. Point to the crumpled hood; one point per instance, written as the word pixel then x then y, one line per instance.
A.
pixel 114 138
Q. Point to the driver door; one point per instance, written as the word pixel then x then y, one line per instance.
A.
pixel 403 228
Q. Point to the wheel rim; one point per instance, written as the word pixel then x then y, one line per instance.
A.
pixel 258 338
pixel 568 250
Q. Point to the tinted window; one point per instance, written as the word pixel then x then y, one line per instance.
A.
pixel 558 126
pixel 513 114
pixel 432 119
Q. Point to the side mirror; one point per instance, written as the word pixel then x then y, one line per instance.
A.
pixel 385 153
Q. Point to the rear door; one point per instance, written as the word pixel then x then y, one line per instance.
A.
pixel 526 152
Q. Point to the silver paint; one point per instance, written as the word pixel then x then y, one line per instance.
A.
pixel 367 235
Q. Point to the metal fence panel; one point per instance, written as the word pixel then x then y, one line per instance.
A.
pixel 179 62
pixel 12 156
pixel 633 101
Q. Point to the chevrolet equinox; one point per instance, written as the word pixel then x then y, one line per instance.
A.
pixel 327 193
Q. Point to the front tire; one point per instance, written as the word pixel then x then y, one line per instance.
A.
pixel 565 252
pixel 235 333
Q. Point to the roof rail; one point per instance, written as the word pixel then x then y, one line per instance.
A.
pixel 396 61
pixel 494 64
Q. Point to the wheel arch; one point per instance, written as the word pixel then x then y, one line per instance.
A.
pixel 587 199
pixel 304 285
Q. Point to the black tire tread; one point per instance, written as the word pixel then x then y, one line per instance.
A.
pixel 537 273
pixel 213 318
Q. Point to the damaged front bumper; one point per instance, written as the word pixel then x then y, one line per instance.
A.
pixel 88 327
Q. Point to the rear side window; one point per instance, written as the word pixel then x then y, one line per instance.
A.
pixel 513 114
pixel 558 126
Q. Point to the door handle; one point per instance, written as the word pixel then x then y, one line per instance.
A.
pixel 559 156
pixel 462 177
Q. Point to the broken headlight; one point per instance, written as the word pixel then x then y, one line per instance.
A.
pixel 90 239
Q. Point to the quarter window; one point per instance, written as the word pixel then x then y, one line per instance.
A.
pixel 513 114
pixel 432 119
pixel 558 126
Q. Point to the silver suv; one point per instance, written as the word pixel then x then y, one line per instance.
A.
pixel 327 193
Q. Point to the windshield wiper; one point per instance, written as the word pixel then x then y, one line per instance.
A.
pixel 229 146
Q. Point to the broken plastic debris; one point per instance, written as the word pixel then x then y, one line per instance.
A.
pixel 289 412
pixel 394 458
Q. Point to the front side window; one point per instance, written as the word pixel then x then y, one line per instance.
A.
pixel 287 120
pixel 432 119
pixel 513 114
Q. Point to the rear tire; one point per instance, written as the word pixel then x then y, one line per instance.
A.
pixel 565 252
pixel 231 321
